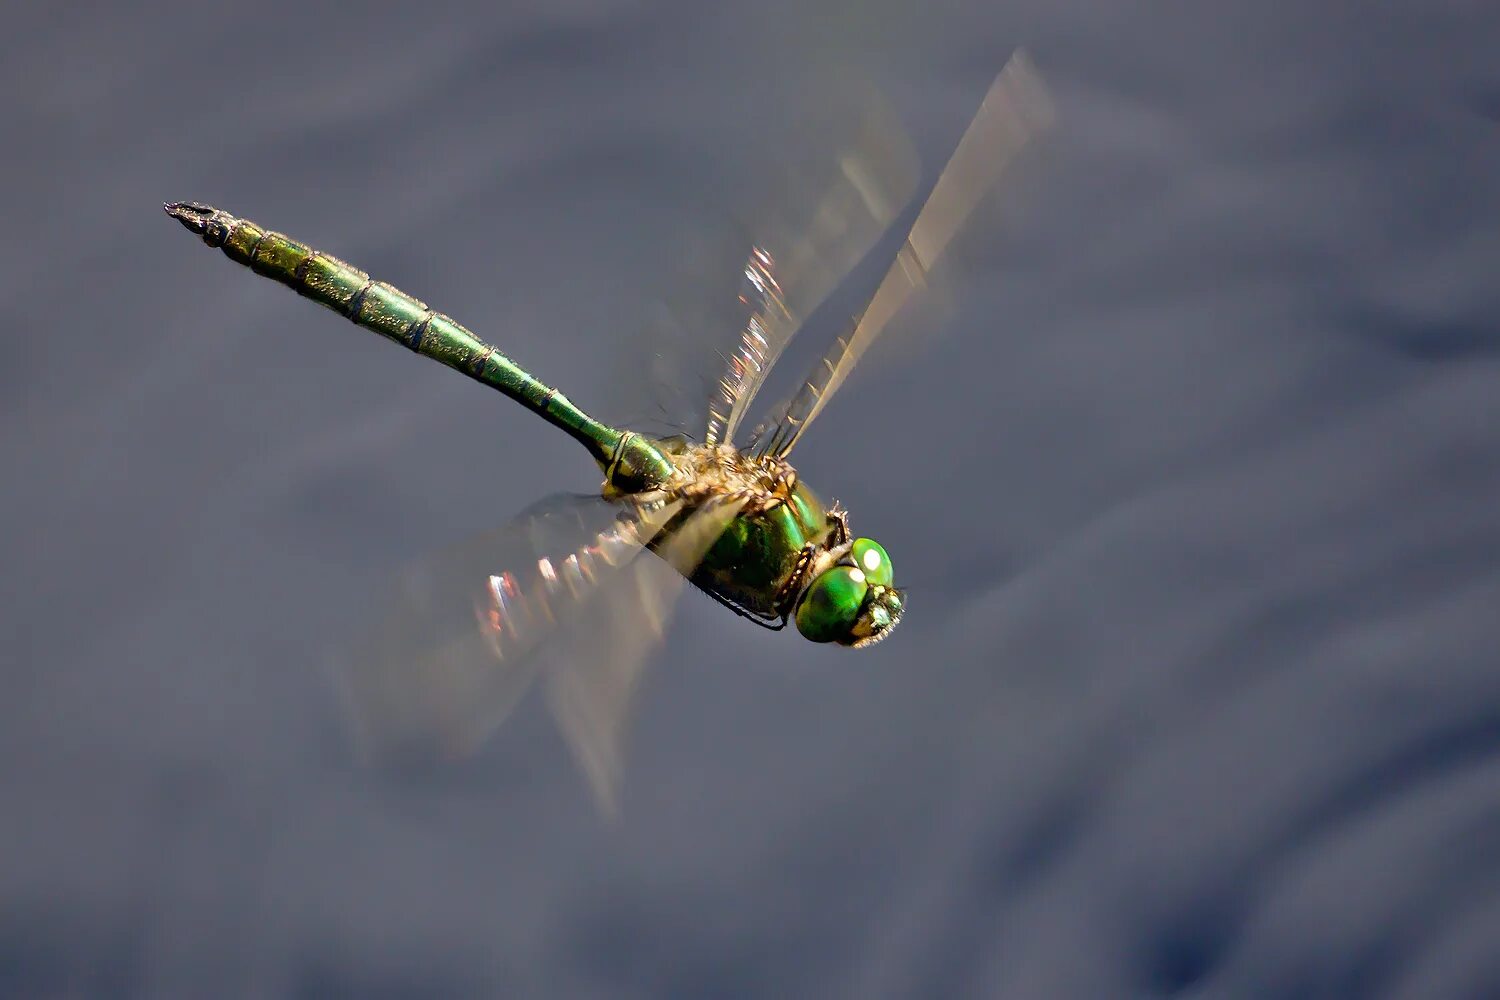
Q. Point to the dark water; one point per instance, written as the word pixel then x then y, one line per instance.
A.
pixel 1198 497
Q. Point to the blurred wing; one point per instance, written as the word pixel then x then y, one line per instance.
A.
pixel 590 686
pixel 456 645
pixel 565 590
pixel 801 254
pixel 749 286
pixel 1015 109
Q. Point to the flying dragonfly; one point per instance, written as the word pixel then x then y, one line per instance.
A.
pixel 565 590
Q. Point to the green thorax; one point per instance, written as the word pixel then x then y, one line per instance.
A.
pixel 756 556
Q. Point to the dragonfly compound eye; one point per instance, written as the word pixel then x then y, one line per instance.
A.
pixel 830 608
pixel 871 558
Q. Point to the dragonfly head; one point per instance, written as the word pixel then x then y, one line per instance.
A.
pixel 852 602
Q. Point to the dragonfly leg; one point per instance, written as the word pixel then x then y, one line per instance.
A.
pixel 763 620
pixel 786 597
pixel 838 525
pixel 801 575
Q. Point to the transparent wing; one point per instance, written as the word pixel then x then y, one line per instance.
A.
pixel 751 284
pixel 451 651
pixel 565 590
pixel 1015 109
pixel 591 682
pixel 802 252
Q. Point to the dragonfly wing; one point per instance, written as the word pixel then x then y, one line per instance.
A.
pixel 756 281
pixel 830 217
pixel 1015 109
pixel 566 591
pixel 590 686
pixel 460 638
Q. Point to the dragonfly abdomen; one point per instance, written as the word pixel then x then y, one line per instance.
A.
pixel 408 321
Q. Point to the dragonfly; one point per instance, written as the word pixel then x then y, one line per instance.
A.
pixel 580 588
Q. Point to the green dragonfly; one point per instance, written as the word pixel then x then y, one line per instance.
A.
pixel 562 590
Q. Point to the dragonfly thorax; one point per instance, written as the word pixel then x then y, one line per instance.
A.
pixel 784 555
pixel 705 472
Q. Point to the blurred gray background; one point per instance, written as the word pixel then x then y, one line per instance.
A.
pixel 1197 491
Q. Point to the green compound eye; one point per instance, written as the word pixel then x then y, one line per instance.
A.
pixel 831 606
pixel 871 558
